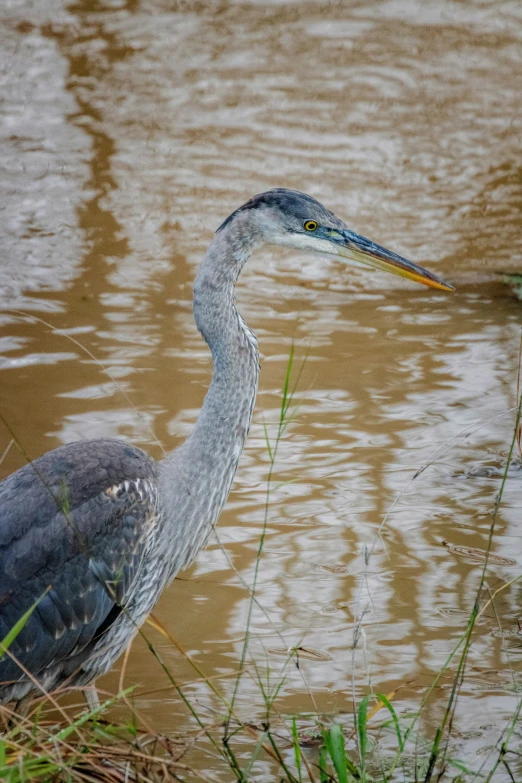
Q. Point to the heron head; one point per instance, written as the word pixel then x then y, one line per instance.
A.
pixel 293 219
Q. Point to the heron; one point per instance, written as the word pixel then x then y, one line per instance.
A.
pixel 92 532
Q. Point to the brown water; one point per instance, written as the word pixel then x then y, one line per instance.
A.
pixel 130 130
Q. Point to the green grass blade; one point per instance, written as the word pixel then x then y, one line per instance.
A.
pixel 267 440
pixel 344 767
pixel 289 776
pixel 297 749
pixel 324 777
pixel 64 733
pixel 287 396
pixel 362 713
pixel 389 706
pixel 18 626
pixel 434 754
pixel 459 765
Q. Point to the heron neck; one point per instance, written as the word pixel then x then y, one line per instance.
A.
pixel 225 417
pixel 206 463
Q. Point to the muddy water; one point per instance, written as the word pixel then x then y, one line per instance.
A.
pixel 130 130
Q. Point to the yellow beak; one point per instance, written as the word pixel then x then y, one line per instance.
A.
pixel 354 246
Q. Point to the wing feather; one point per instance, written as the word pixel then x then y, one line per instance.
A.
pixel 79 533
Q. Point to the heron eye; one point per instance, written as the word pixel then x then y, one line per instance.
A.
pixel 310 225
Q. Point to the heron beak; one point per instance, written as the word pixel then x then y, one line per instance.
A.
pixel 358 248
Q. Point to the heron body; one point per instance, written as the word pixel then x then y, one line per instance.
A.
pixel 94 530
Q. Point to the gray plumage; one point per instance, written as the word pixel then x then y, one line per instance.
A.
pixel 97 527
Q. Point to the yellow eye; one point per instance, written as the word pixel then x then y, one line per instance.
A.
pixel 310 225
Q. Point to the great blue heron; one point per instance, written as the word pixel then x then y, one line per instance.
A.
pixel 96 529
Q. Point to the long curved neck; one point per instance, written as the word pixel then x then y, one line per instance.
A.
pixel 225 417
pixel 199 474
